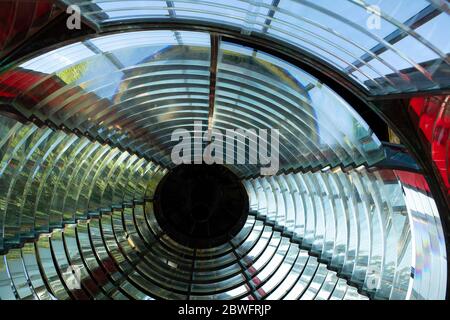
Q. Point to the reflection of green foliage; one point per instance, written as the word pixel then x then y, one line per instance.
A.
pixel 73 73
pixel 5 125
pixel 14 254
pixel 153 183
pixel 28 249
pixel 43 242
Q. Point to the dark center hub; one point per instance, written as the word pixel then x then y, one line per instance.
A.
pixel 201 206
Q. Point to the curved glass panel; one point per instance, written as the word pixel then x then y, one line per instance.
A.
pixel 91 138
pixel 49 178
pixel 383 234
pixel 381 246
pixel 386 46
pixel 154 82
pixel 138 263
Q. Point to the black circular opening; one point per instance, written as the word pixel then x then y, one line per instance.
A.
pixel 201 212
pixel 201 206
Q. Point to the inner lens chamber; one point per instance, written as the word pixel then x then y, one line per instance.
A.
pixel 80 166
pixel 201 206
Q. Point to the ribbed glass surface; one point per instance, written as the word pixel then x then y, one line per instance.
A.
pixel 385 46
pixel 49 178
pixel 317 127
pixel 380 233
pixel 154 82
pixel 124 255
pixel 85 138
pixel 147 79
pixel 308 236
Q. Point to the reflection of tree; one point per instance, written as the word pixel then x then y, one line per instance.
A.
pixel 73 73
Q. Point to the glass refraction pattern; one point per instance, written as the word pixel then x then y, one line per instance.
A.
pixel 368 41
pixel 79 167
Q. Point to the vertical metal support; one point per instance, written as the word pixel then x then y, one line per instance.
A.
pixel 215 43
pixel 191 278
pixel 171 8
pixel 270 16
pixel 173 15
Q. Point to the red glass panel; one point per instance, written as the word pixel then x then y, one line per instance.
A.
pixel 414 180
pixel 19 19
pixel 431 115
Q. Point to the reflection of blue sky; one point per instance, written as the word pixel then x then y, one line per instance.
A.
pixel 336 47
pixel 437 31
pixel 335 31
pixel 144 45
pixel 154 38
pixel 118 9
pixel 297 75
pixel 92 72
pixel 126 58
pixel 137 55
pixel 330 110
pixel 230 11
pixel 58 59
pixel 400 10
pixel 288 24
